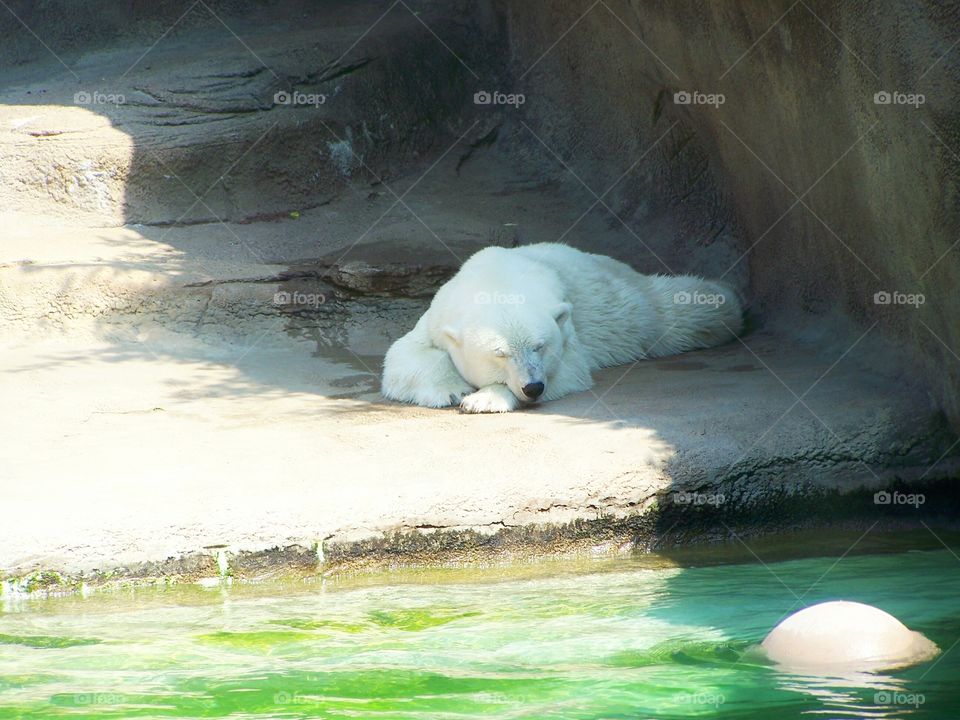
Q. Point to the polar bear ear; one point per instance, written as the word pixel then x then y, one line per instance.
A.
pixel 561 313
pixel 451 334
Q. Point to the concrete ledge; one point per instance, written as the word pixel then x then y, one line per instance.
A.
pixel 183 459
pixel 670 529
pixel 165 421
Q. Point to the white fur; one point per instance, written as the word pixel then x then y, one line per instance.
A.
pixel 839 636
pixel 550 314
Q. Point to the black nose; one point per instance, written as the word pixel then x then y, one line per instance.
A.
pixel 533 390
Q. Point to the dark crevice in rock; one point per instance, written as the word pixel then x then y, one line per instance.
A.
pixel 485 141
pixel 355 278
pixel 247 220
pixel 338 71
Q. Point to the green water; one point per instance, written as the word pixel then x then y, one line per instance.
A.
pixel 629 639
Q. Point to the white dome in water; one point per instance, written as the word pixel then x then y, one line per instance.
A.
pixel 841 636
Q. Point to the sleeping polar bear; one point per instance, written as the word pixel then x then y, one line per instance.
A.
pixel 531 323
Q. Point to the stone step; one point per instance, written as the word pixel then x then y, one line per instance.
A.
pixel 133 459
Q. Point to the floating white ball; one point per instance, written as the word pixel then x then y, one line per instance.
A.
pixel 842 636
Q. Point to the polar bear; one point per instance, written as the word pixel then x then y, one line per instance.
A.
pixel 519 325
pixel 841 636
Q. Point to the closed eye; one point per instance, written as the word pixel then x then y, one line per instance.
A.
pixel 538 347
pixel 500 353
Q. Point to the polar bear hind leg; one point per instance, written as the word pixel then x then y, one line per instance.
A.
pixel 697 314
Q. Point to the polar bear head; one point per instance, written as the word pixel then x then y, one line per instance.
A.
pixel 520 347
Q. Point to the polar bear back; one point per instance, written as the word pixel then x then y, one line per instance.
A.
pixel 491 282
pixel 619 315
pixel 615 308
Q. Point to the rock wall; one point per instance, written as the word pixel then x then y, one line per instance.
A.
pixel 831 195
pixel 785 172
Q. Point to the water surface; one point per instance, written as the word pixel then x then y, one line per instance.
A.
pixel 627 639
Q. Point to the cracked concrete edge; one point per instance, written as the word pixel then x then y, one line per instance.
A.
pixel 49 302
pixel 664 523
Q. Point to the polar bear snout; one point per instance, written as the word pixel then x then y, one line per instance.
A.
pixel 527 373
pixel 533 390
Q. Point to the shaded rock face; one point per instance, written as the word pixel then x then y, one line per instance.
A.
pixel 213 84
pixel 807 152
pixel 844 204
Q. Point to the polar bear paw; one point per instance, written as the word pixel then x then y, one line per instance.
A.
pixel 454 395
pixel 490 399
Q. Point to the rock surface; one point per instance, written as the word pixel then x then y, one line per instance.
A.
pixel 778 143
pixel 157 418
pixel 198 283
